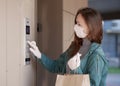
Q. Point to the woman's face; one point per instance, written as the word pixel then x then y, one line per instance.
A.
pixel 81 22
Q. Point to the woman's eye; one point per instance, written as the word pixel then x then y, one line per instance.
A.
pixel 78 24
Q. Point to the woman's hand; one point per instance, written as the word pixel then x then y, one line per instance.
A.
pixel 34 49
pixel 74 62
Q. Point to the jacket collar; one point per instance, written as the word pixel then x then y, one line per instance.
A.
pixel 93 47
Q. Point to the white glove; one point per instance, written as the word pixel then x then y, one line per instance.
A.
pixel 34 49
pixel 74 62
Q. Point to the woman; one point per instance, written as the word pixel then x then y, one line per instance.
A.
pixel 85 55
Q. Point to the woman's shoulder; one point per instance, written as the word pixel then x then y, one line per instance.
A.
pixel 96 48
pixel 98 53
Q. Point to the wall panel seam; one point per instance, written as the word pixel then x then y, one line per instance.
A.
pixel 68 12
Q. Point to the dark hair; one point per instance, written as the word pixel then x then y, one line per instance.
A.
pixel 94 22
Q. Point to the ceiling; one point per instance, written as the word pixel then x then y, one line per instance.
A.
pixel 110 9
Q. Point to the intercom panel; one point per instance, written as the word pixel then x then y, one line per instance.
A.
pixel 27 38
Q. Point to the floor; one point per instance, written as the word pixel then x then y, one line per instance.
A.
pixel 113 80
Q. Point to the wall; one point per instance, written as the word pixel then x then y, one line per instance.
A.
pixel 13 72
pixel 50 36
pixel 69 11
pixel 56 20
pixel 3 43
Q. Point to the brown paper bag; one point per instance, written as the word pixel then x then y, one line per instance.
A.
pixel 73 80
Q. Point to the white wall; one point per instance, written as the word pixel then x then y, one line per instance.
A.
pixel 13 72
pixel 3 43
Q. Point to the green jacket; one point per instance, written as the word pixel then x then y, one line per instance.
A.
pixel 94 63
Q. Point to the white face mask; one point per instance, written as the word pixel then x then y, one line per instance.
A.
pixel 79 31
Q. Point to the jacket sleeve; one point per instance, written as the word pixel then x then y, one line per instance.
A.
pixel 54 66
pixel 58 65
pixel 95 68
